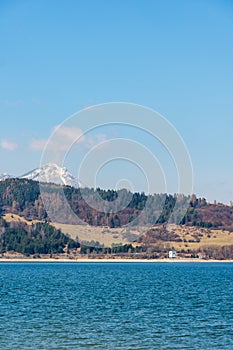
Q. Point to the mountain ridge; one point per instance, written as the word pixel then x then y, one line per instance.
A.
pixel 48 173
pixel 4 176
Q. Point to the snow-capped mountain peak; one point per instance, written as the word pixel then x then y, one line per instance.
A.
pixel 5 176
pixel 52 173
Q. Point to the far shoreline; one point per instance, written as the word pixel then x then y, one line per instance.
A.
pixel 119 260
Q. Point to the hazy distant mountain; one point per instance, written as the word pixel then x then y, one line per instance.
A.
pixel 52 173
pixel 5 176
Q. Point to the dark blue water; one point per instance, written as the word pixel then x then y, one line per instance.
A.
pixel 116 306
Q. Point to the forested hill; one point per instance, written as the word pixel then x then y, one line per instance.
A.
pixel 22 197
pixel 38 238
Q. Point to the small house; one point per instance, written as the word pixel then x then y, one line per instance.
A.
pixel 172 254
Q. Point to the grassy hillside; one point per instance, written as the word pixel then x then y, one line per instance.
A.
pixel 156 242
pixel 187 238
pixel 104 235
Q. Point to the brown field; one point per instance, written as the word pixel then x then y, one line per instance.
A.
pixel 207 237
pixel 104 235
pixel 108 236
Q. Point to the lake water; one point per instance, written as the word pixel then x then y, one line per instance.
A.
pixel 128 306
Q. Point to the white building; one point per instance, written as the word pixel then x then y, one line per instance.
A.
pixel 172 254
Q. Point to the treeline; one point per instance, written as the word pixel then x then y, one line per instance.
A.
pixel 117 249
pixel 158 250
pixel 39 238
pixel 23 197
pixel 217 252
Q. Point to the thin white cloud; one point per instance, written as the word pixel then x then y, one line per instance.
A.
pixel 64 137
pixel 37 145
pixel 67 135
pixel 8 145
pixel 91 141
pixel 14 103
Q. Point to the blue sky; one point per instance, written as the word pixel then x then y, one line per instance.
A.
pixel 58 57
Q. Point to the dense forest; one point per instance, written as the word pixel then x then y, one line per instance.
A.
pixel 23 197
pixel 39 238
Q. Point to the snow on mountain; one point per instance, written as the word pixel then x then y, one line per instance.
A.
pixel 5 176
pixel 52 173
